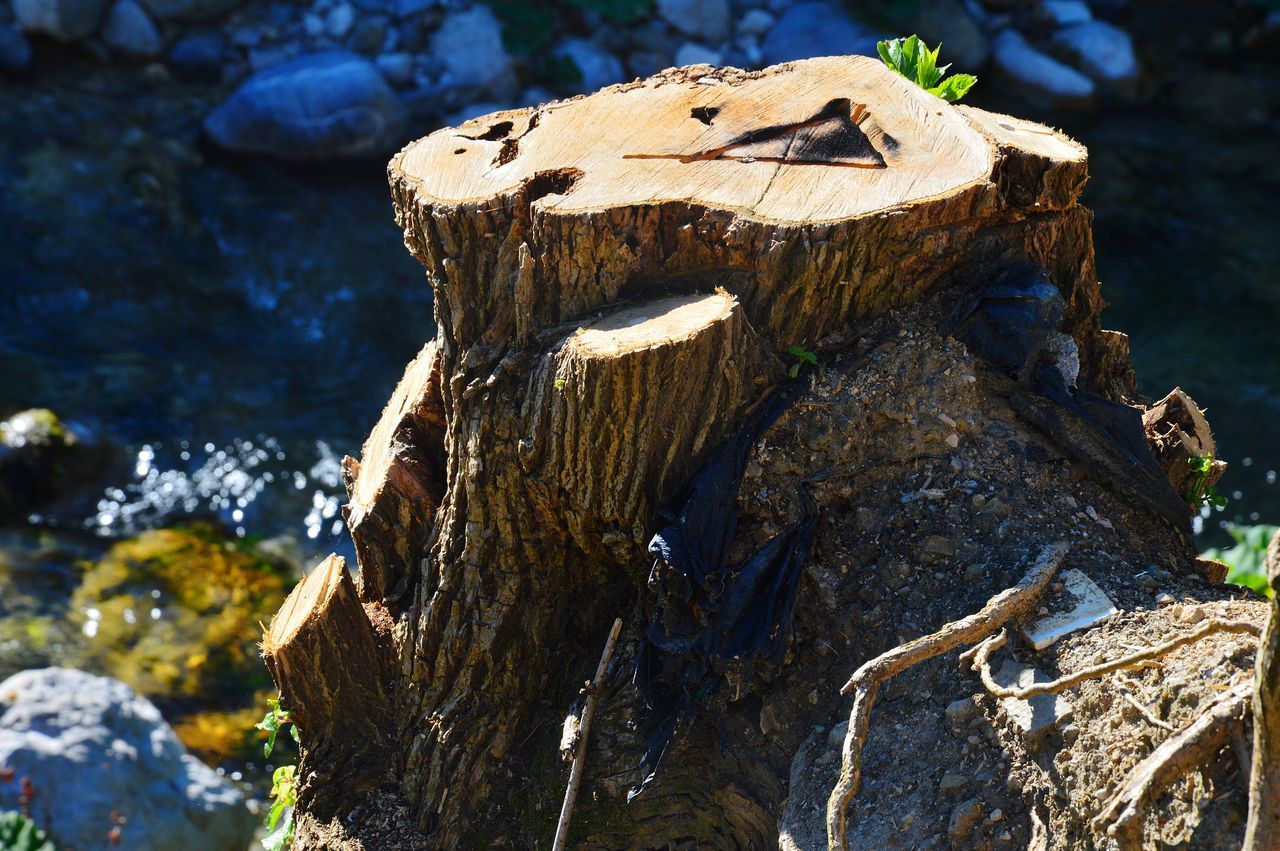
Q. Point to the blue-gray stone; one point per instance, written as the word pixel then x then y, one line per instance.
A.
pixel 130 33
pixel 319 106
pixel 1037 76
pixel 188 10
pixel 15 50
pixel 817 29
pixel 1101 51
pixel 197 56
pixel 599 67
pixel 65 20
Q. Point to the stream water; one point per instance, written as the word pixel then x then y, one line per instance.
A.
pixel 239 325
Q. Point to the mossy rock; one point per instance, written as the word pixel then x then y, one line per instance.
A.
pixel 176 613
pixel 41 459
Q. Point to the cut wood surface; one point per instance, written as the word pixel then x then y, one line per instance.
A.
pixel 821 140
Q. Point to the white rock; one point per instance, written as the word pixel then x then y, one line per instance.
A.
pixel 312 25
pixel 690 53
pixel 92 747
pixel 706 19
pixel 469 45
pixel 130 32
pixel 1102 51
pixel 817 29
pixel 65 20
pixel 396 67
pixel 1037 75
pixel 755 22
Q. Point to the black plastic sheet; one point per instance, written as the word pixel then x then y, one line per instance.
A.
pixel 712 614
pixel 1009 325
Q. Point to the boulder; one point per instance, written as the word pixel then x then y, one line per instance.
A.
pixel 1103 52
pixel 1063 13
pixel 599 67
pixel 188 10
pixel 705 19
pixel 691 53
pixel 65 20
pixel 43 460
pixel 469 45
pixel 15 50
pixel 816 29
pixel 130 33
pixel 100 758
pixel 963 42
pixel 755 22
pixel 315 107
pixel 1037 76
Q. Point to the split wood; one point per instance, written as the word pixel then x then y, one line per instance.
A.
pixel 580 758
pixel 1000 609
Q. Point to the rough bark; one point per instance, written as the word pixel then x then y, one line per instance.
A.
pixel 1263 830
pixel 619 281
pixel 333 674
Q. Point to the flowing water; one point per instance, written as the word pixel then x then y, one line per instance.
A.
pixel 237 326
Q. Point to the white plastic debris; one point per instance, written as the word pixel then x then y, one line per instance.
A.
pixel 1088 606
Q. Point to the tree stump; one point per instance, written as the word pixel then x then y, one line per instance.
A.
pixel 623 283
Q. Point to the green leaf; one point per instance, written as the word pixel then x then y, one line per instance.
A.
pixel 954 87
pixel 19 833
pixel 913 59
pixel 794 372
pixel 1247 559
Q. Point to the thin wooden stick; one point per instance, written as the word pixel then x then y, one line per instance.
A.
pixel 1001 608
pixel 979 659
pixel 580 758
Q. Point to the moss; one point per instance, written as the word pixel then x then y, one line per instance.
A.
pixel 177 613
pixel 36 427
pixel 217 734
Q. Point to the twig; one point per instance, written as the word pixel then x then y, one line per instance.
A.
pixel 580 758
pixel 1001 608
pixel 1193 747
pixel 1145 712
pixel 979 659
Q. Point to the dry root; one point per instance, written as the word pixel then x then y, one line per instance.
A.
pixel 979 659
pixel 999 610
pixel 1195 746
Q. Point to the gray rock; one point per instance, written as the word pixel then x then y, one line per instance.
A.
pixel 1103 52
pixel 835 738
pixel 964 44
pixel 644 63
pixel 197 56
pixel 705 19
pixel 470 46
pixel 755 22
pixel 369 36
pixel 130 32
pixel 964 818
pixel 1038 76
pixel 312 25
pixel 952 786
pixel 92 747
pixel 599 67
pixel 1063 13
pixel 15 50
pixel 697 54
pixel 317 106
pixel 1034 718
pixel 188 10
pixel 960 713
pixel 816 29
pixel 396 67
pixel 340 20
pixel 65 20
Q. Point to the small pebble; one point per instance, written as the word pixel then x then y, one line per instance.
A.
pixel 1164 599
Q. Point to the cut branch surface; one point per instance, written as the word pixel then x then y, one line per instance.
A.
pixel 1179 432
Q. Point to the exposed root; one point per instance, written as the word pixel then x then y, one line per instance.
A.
pixel 978 659
pixel 1000 609
pixel 1193 747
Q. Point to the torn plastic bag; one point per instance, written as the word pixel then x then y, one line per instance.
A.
pixel 1009 325
pixel 710 614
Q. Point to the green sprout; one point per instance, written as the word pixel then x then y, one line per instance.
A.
pixel 803 356
pixel 1200 492
pixel 273 722
pixel 560 382
pixel 913 59
pixel 284 795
